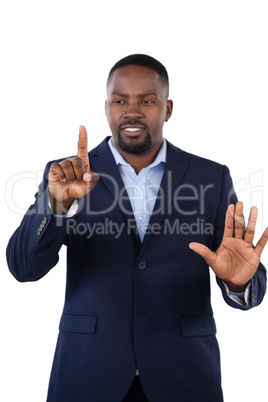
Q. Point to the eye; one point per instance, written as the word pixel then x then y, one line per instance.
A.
pixel 147 102
pixel 118 101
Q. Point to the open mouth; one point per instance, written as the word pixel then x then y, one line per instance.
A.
pixel 132 131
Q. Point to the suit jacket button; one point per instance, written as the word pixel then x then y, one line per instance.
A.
pixel 142 265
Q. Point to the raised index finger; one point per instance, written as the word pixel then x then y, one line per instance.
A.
pixel 82 148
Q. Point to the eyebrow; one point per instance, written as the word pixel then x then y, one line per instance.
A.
pixel 140 95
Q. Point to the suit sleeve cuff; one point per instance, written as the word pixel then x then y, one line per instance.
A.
pixel 240 298
pixel 71 212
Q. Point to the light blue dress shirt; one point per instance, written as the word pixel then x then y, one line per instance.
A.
pixel 142 188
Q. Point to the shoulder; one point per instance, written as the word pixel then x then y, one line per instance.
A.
pixel 194 161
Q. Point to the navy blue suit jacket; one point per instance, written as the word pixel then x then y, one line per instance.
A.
pixel 129 305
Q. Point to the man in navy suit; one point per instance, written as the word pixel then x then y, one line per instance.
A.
pixel 141 233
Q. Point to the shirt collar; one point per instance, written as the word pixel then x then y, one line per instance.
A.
pixel 160 157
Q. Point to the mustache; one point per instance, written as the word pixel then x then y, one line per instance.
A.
pixel 132 123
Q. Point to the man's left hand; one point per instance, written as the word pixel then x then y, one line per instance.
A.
pixel 236 260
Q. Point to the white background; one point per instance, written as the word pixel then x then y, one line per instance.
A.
pixel 55 57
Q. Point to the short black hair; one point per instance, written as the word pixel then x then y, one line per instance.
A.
pixel 142 60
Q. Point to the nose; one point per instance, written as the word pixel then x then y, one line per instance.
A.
pixel 133 110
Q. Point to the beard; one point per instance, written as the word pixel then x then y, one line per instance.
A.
pixel 135 148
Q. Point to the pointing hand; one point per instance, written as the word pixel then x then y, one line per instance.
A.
pixel 71 178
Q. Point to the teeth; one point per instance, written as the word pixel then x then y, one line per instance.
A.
pixel 132 129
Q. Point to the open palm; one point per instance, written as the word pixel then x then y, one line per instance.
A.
pixel 236 260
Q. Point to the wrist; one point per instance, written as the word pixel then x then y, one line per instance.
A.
pixel 236 288
pixel 60 207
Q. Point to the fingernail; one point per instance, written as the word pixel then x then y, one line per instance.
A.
pixel 88 177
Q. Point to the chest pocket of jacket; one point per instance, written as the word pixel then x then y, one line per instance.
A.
pixel 197 326
pixel 78 323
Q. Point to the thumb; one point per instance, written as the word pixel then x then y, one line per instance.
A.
pixel 204 252
pixel 90 180
pixel 87 177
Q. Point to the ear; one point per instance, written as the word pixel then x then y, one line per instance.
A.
pixel 169 109
pixel 106 108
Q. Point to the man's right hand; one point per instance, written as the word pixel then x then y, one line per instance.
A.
pixel 71 178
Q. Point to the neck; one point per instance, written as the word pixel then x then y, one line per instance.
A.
pixel 138 162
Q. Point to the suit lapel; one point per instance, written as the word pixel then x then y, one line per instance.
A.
pixel 104 164
pixel 175 169
pixel 102 160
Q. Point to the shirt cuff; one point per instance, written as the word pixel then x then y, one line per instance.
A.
pixel 71 211
pixel 240 298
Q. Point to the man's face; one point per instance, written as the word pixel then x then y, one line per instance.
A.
pixel 136 108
